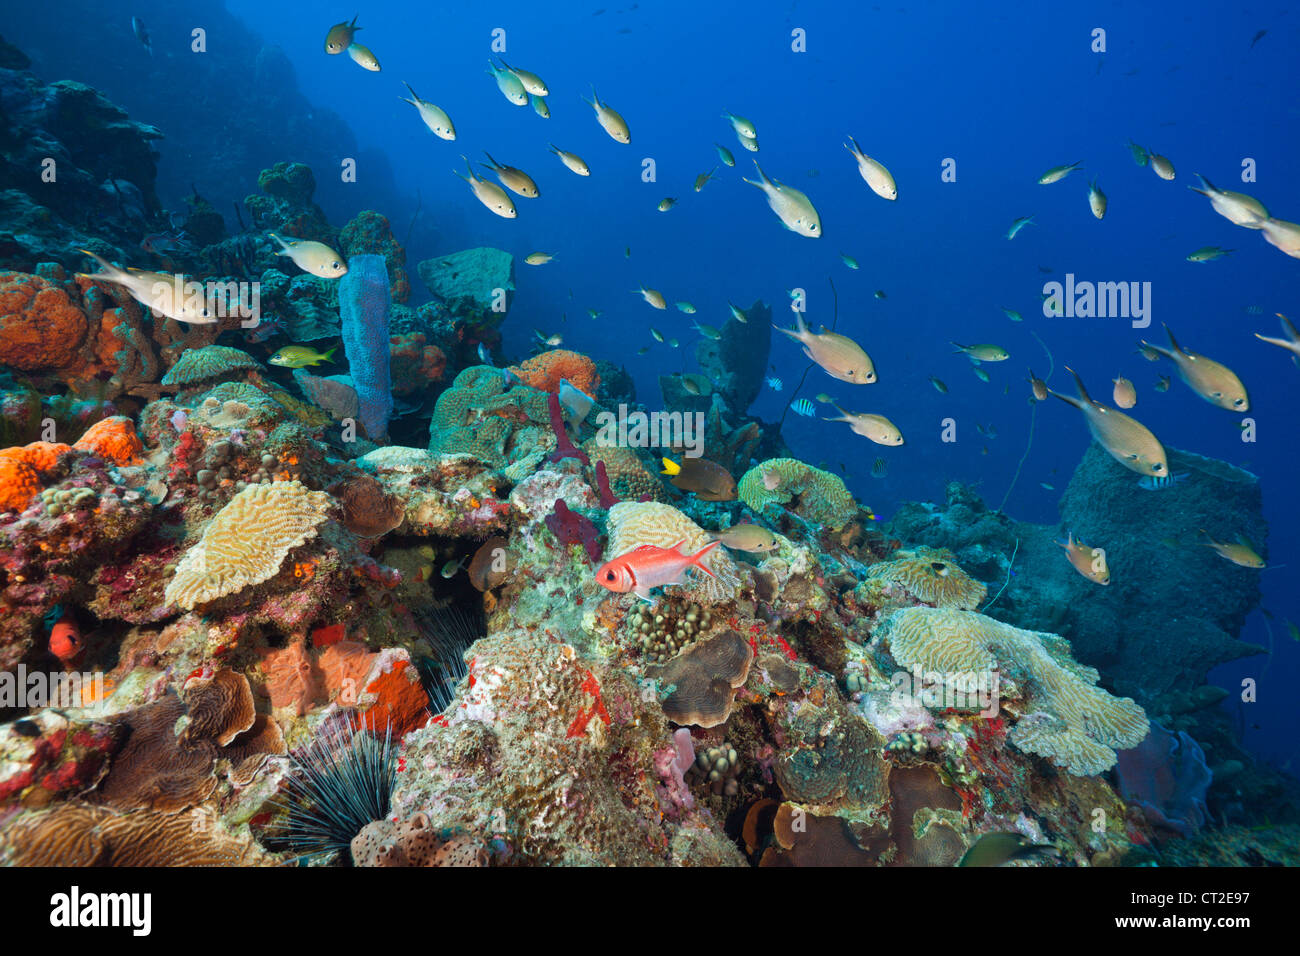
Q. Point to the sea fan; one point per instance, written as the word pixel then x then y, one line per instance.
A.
pixel 340 782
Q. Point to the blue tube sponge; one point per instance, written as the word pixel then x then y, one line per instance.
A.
pixel 364 301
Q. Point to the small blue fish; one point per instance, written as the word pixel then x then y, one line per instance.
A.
pixel 1160 482
pixel 803 407
pixel 774 383
pixel 484 355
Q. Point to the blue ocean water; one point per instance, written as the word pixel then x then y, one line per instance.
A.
pixel 998 93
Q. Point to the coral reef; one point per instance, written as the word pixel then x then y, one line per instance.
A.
pixel 813 494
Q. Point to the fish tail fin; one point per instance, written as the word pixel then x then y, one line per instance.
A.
pixel 670 467
pixel 491 161
pixel 414 95
pixel 1172 341
pixel 326 356
pixel 1209 186
pixel 1289 328
pixel 1078 383
pixel 853 147
pixel 697 559
pixel 959 348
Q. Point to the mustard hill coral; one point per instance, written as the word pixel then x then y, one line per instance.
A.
pixel 1074 723
pixel 821 496
pixel 247 541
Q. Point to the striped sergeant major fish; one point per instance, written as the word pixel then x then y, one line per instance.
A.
pixel 1160 482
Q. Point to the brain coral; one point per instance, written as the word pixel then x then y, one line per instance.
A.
pixel 112 438
pixel 931 575
pixel 544 371
pixel 247 541
pixel 207 363
pixel 634 523
pixel 41 329
pixel 1074 723
pixel 822 496
pixel 479 416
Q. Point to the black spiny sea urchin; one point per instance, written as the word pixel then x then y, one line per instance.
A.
pixel 339 782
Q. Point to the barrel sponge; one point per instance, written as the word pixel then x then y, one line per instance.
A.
pixel 247 541
pixel 931 575
pixel 364 303
pixel 636 523
pixel 822 496
pixel 1073 723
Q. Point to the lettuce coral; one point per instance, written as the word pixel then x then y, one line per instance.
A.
pixel 1074 723
pixel 821 496
pixel 248 540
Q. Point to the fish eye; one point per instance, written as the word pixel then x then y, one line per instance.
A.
pixel 609 575
pixel 1157 467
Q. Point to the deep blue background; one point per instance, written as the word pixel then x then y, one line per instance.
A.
pixel 1007 90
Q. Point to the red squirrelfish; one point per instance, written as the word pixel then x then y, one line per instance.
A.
pixel 648 566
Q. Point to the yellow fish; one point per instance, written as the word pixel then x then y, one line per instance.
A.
pixel 1125 394
pixel 572 161
pixel 489 194
pixel 1215 383
pixel 1238 208
pixel 874 173
pixel 983 353
pixel 652 296
pixel 314 257
pixel 1125 439
pixel 434 117
pixel 169 295
pixel 793 208
pixel 610 121
pixel 1292 341
pixel 531 81
pixel 1240 554
pixel 363 58
pixel 838 355
pixel 538 258
pixel 516 180
pixel 1088 561
pixel 298 356
pixel 878 428
pixel 747 537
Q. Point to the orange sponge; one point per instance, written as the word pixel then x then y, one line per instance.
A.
pixel 545 371
pixel 19 483
pixel 113 438
pixel 40 455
